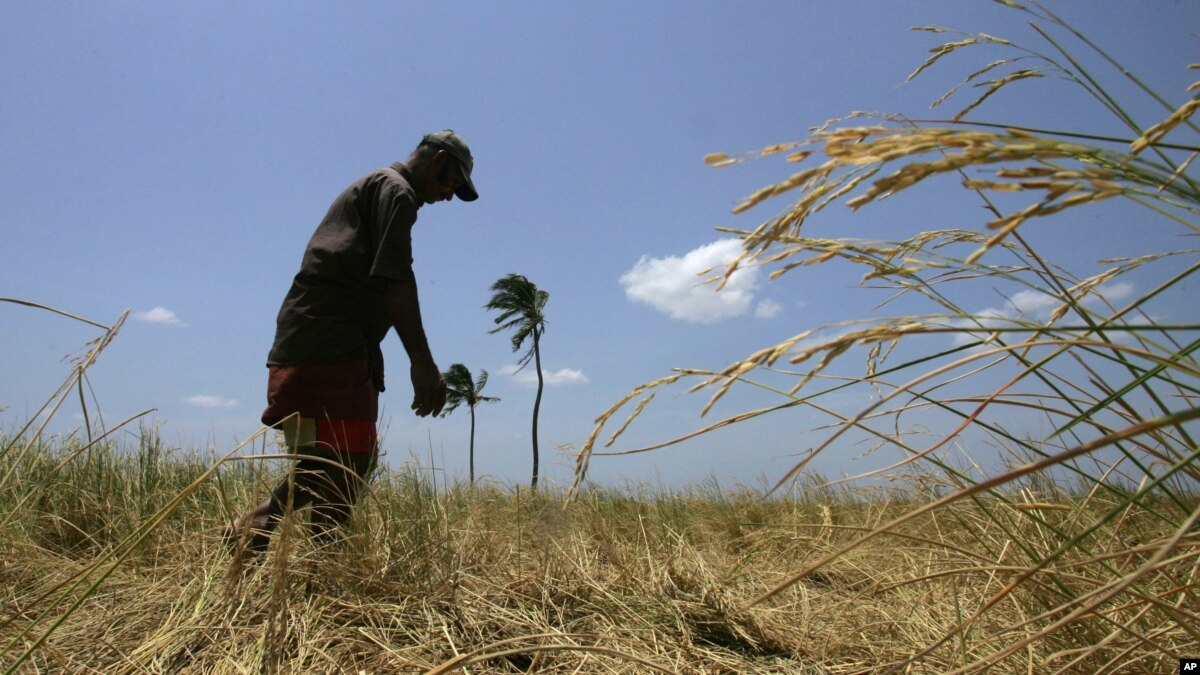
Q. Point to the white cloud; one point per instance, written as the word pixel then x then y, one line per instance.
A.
pixel 768 309
pixel 159 315
pixel 210 401
pixel 1031 305
pixel 551 377
pixel 1113 292
pixel 995 317
pixel 675 286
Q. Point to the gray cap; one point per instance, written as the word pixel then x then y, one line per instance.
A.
pixel 454 144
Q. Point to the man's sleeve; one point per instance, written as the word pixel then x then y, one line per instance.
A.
pixel 391 222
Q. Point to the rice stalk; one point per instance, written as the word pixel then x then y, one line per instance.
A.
pixel 493 651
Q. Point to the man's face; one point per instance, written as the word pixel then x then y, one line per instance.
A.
pixel 442 180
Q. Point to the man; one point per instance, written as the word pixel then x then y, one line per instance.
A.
pixel 326 368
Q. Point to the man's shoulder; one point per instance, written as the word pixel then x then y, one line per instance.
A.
pixel 389 182
pixel 395 174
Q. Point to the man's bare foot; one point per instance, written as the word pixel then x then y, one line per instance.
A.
pixel 248 535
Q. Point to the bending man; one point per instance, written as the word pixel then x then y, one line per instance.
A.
pixel 355 284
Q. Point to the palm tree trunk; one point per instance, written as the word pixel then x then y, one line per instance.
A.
pixel 472 445
pixel 537 403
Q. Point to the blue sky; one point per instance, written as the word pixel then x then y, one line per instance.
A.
pixel 173 159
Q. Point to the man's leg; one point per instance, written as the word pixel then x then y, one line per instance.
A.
pixel 336 458
pixel 335 491
pixel 251 532
pixel 350 452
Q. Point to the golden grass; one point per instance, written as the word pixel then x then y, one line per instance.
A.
pixel 498 580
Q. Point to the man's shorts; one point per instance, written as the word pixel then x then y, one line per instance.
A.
pixel 337 405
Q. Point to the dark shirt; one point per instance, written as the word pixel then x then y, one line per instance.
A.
pixel 335 310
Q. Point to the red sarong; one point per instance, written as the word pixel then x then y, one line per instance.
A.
pixel 337 404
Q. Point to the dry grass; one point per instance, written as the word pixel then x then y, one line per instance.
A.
pixel 498 580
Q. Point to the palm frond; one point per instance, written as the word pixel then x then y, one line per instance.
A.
pixel 460 389
pixel 481 382
pixel 521 306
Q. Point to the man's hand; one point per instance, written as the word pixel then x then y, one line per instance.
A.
pixel 429 389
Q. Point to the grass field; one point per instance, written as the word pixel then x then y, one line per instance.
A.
pixel 499 580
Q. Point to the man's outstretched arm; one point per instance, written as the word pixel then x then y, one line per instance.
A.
pixel 404 311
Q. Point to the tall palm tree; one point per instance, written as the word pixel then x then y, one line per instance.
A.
pixel 460 389
pixel 522 308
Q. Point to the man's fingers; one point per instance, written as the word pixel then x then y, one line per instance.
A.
pixel 436 400
pixel 429 391
pixel 429 401
pixel 421 405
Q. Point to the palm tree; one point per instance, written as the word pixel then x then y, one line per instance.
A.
pixel 521 305
pixel 460 389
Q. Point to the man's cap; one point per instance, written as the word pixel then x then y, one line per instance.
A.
pixel 454 144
